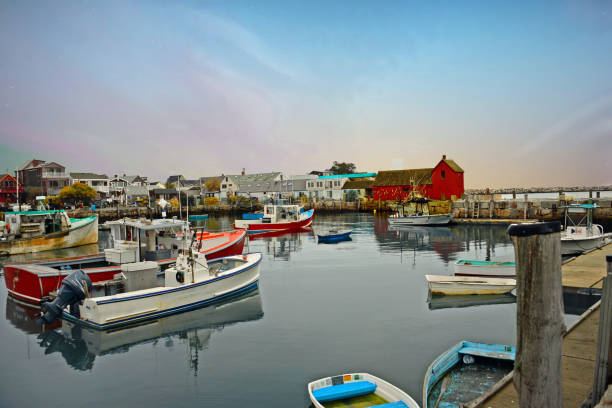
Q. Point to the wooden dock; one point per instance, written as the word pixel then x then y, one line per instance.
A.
pixel 579 343
pixel 491 221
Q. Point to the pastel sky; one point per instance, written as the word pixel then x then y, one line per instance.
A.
pixel 517 93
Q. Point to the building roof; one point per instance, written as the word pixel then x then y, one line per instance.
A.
pixel 174 179
pixel 255 177
pixel 358 184
pixel 136 191
pixel 191 183
pixel 88 176
pixel 31 164
pixel 453 165
pixel 164 191
pixel 403 177
pixel 352 175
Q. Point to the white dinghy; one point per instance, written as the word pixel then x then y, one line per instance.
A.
pixel 358 390
pixel 468 285
pixel 191 283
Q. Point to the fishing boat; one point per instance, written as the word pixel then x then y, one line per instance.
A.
pixel 580 234
pixel 36 231
pixel 465 372
pixel 143 240
pixel 136 296
pixel 468 285
pixel 277 218
pixel 500 269
pixel 334 235
pixel 357 390
pixel 416 212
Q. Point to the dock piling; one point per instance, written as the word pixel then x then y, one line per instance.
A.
pixel 539 310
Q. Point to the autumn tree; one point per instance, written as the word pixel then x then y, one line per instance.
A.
pixel 342 168
pixel 78 192
pixel 212 184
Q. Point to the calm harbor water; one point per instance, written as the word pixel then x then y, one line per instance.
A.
pixel 321 309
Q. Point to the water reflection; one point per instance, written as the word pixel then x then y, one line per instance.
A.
pixel 444 302
pixel 279 244
pixel 446 242
pixel 79 345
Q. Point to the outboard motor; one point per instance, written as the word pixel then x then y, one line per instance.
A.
pixel 75 287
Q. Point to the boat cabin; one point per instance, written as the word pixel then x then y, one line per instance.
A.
pixel 579 220
pixel 281 213
pixel 145 240
pixel 31 224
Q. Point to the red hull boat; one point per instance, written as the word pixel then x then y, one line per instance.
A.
pixel 277 218
pixel 32 282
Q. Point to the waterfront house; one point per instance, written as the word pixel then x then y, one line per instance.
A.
pixel 39 177
pixel 132 194
pixel 259 185
pixel 442 182
pixel 330 186
pixel 165 193
pixel 358 188
pixel 9 189
pixel 98 182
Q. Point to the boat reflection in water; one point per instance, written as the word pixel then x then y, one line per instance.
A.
pixel 444 302
pixel 279 244
pixel 80 345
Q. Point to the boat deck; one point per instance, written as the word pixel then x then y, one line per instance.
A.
pixel 580 342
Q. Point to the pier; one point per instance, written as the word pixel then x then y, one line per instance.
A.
pixel 579 342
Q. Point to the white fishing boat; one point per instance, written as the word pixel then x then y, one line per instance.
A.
pixel 468 285
pixel 416 212
pixel 358 390
pixel 191 283
pixel 499 269
pixel 580 234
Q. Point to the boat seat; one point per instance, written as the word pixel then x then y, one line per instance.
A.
pixel 397 404
pixel 343 391
pixel 501 355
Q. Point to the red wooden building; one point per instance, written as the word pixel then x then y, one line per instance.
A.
pixel 8 190
pixel 439 183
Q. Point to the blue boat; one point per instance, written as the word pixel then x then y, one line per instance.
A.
pixel 465 372
pixel 334 235
pixel 199 217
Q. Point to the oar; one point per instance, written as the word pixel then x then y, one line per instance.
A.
pixel 445 383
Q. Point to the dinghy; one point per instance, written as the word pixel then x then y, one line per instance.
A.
pixel 357 390
pixel 499 269
pixel 334 235
pixel 465 372
pixel 468 285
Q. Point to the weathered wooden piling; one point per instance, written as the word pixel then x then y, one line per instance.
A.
pixel 540 325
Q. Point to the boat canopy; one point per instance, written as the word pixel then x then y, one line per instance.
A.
pixel 148 225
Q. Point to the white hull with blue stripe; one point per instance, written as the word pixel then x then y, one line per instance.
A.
pixel 185 288
pixel 358 389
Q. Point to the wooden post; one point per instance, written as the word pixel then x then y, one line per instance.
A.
pixel 603 368
pixel 539 313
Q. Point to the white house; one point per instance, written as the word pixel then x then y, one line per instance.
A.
pixel 98 182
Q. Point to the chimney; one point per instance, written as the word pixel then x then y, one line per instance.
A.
pixel 443 157
pixel 243 172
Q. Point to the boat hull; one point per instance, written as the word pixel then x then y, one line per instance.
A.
pixel 29 283
pixel 258 227
pixel 135 307
pixel 431 220
pixel 334 238
pixel 454 285
pixel 485 269
pixel 85 232
pixel 576 246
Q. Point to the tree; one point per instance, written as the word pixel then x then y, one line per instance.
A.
pixel 212 184
pixel 342 168
pixel 78 192
pixel 169 185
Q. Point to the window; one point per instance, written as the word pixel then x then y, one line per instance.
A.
pixel 443 174
pixel 223 185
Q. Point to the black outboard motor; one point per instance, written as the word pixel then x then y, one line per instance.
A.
pixel 75 287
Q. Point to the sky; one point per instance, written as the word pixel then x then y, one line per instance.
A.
pixel 519 94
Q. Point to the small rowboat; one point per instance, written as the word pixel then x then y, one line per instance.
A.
pixel 464 267
pixel 357 390
pixel 334 235
pixel 465 372
pixel 468 285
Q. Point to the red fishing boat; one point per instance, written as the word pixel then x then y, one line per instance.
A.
pixel 134 241
pixel 277 218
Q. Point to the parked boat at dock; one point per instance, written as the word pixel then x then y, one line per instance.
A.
pixel 468 285
pixel 35 231
pixel 191 283
pixel 133 240
pixel 581 235
pixel 500 269
pixel 357 390
pixel 277 218
pixel 465 372
pixel 417 214
pixel 334 235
